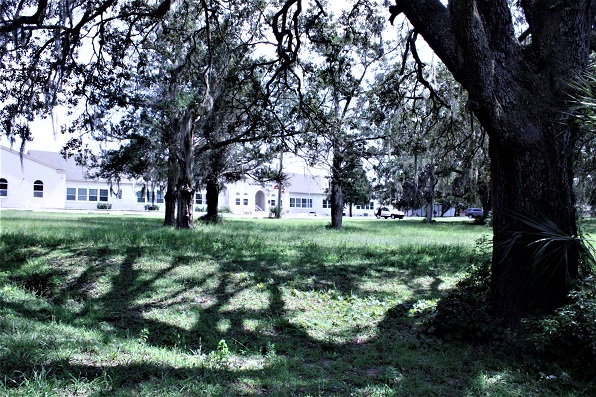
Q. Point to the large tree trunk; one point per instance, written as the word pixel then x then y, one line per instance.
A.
pixel 532 190
pixel 212 200
pixel 170 204
pixel 518 92
pixel 336 205
pixel 186 192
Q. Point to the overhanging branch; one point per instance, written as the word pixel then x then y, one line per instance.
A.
pixel 433 21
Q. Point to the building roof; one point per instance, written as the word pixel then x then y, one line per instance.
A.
pixel 34 159
pixel 298 182
pixel 73 171
pixel 306 183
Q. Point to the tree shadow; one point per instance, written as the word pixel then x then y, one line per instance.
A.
pixel 248 293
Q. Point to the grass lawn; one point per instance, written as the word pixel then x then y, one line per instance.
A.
pixel 94 305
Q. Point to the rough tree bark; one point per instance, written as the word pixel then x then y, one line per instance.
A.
pixel 518 91
pixel 171 195
pixel 170 202
pixel 336 196
pixel 212 200
pixel 186 185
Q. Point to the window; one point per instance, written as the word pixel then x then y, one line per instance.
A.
pixel 103 194
pixel 245 202
pixel 92 194
pixel 238 201
pixel 159 197
pixel 140 196
pixel 82 196
pixel 326 203
pixel 71 193
pixel 38 189
pixel 368 206
pixel 198 198
pixel 272 202
pixel 3 187
pixel 300 202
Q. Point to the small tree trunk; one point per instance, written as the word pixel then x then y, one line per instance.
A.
pixel 186 185
pixel 278 206
pixel 431 193
pixel 185 218
pixel 279 184
pixel 337 200
pixel 172 172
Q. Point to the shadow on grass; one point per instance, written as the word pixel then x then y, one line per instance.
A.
pixel 300 317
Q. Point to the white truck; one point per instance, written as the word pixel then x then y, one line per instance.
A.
pixel 385 212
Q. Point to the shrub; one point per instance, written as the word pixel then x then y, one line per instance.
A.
pixel 210 219
pixel 570 333
pixel 104 206
pixel 221 210
pixel 464 313
pixel 152 207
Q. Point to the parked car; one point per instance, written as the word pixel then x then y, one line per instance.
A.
pixel 474 212
pixel 385 212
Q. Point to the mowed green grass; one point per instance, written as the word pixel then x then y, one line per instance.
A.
pixel 94 305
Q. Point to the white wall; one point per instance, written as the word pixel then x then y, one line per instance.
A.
pixel 128 202
pixel 21 178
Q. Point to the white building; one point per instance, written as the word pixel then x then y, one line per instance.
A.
pixel 45 180
pixel 30 182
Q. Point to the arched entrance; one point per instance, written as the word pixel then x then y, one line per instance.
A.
pixel 260 202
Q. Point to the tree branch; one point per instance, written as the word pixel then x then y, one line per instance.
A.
pixel 22 21
pixel 472 35
pixel 433 21
pixel 419 66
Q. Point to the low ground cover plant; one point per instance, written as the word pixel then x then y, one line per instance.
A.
pixel 119 305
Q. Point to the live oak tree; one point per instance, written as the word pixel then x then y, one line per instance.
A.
pixel 432 148
pixel 344 50
pixel 52 53
pixel 356 186
pixel 111 57
pixel 518 85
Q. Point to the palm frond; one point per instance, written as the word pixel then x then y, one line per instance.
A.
pixel 549 244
